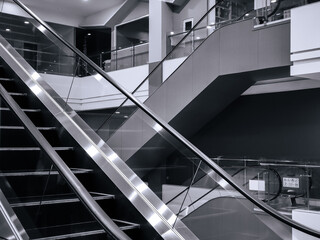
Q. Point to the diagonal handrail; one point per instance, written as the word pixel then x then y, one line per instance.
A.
pixel 165 126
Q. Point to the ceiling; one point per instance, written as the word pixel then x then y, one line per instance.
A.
pixel 77 8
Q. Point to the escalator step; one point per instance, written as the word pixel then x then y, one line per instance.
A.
pixel 25 110
pixel 54 199
pixel 42 172
pixel 22 128
pixel 17 94
pixel 6 79
pixel 83 229
pixel 26 149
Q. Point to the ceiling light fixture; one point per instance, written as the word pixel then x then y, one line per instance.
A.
pixel 26 22
pixel 89 34
pixel 8 29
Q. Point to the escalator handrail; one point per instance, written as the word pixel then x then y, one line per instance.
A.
pixel 176 134
pixel 99 214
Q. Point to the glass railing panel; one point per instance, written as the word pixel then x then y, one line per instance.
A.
pixel 277 10
pixel 122 58
pixel 34 46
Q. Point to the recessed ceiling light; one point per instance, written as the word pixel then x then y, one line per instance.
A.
pixel 26 22
pixel 89 34
pixel 125 116
pixel 209 27
pixel 117 112
pixel 198 38
pixel 8 29
pixel 247 14
pixel 171 33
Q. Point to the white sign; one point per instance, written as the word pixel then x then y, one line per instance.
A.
pixel 291 182
pixel 257 185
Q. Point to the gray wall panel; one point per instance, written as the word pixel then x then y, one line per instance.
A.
pixel 240 49
pixel 274 46
pixel 206 63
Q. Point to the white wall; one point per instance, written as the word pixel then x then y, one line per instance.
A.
pixel 305 28
pixel 89 93
pixel 194 9
pixel 305 41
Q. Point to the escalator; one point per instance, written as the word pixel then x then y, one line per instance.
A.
pixel 59 180
pixel 35 189
pixel 71 170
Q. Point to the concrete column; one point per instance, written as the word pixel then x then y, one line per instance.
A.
pixel 160 24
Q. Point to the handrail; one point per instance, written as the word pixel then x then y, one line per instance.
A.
pixel 106 222
pixel 176 134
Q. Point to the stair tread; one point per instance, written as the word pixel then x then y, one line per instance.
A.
pixel 25 110
pixel 22 128
pixel 40 172
pixel 75 230
pixel 6 79
pixel 33 148
pixel 17 94
pixel 53 199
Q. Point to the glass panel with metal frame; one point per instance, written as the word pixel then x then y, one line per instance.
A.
pixel 122 58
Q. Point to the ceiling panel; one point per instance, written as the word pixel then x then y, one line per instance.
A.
pixel 80 8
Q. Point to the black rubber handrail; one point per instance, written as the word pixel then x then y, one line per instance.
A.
pixel 176 134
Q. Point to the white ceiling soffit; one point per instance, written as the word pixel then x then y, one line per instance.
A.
pixel 110 16
pixel 79 8
pixel 68 12
pixel 176 2
pixel 176 5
